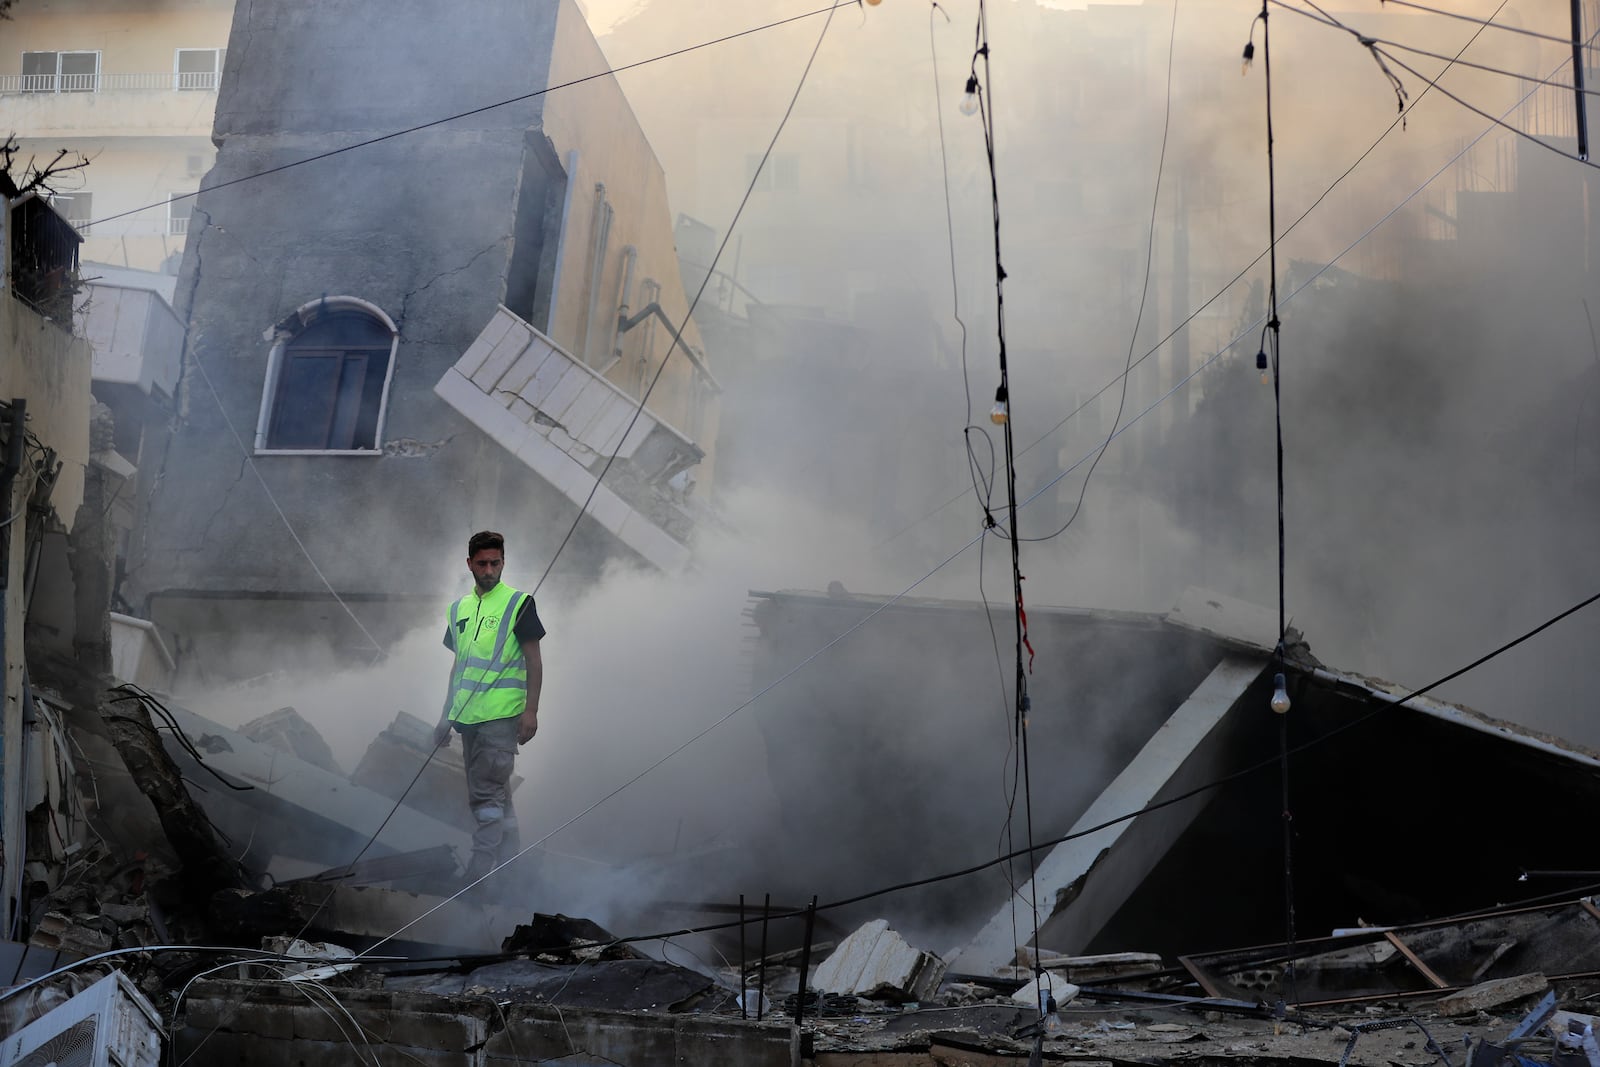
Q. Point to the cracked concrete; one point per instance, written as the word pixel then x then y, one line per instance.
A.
pixel 405 301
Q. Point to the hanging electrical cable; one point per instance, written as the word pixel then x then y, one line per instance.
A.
pixel 981 93
pixel 1269 356
pixel 982 486
pixel 608 72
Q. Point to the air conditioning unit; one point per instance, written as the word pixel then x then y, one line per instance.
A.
pixel 110 1024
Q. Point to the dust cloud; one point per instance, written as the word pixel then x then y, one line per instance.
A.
pixel 1439 380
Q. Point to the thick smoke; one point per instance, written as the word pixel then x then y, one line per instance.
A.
pixel 1439 392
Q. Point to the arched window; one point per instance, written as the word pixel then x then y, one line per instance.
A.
pixel 328 379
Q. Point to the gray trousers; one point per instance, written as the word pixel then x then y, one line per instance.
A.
pixel 491 753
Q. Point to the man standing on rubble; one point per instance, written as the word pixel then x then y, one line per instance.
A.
pixel 493 701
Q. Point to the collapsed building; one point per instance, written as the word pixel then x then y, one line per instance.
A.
pixel 1432 886
pixel 468 319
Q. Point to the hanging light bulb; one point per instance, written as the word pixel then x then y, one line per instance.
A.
pixel 969 103
pixel 1052 1021
pixel 1280 695
pixel 1001 412
pixel 1261 365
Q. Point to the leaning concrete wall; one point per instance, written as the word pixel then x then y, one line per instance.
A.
pixel 419 227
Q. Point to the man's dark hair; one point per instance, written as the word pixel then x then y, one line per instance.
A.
pixel 485 539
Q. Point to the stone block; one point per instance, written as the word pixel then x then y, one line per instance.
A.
pixel 1490 995
pixel 874 961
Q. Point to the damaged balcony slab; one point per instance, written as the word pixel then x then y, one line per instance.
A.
pixel 564 421
pixel 1080 883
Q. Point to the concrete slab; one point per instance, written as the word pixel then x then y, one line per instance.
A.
pixel 876 961
pixel 1081 883
pixel 295 809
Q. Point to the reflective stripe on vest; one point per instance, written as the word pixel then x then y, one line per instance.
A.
pixel 490 678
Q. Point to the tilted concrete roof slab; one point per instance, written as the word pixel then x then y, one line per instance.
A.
pixel 1081 883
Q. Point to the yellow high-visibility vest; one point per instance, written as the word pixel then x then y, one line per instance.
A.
pixel 490 677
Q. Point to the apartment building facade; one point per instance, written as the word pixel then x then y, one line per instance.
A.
pixel 131 86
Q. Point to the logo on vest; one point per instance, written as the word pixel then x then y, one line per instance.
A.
pixel 491 622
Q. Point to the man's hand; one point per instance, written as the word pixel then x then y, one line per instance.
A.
pixel 441 734
pixel 527 726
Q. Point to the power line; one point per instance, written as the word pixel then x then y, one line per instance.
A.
pixel 1456 60
pixel 474 111
pixel 984 494
pixel 975 540
pixel 984 95
pixel 1144 292
pixel 677 343
pixel 1272 338
pixel 677 335
pixel 1222 291
pixel 1388 704
pixel 1488 23
pixel 908 590
pixel 1524 134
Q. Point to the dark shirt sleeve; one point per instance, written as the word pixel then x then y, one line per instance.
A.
pixel 528 627
pixel 449 637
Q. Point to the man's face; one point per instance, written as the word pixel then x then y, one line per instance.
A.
pixel 486 565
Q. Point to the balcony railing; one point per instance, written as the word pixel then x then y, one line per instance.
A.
pixel 189 81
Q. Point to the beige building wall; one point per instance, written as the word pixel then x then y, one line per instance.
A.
pixel 145 136
pixel 49 368
pixel 129 41
pixel 127 174
pixel 595 120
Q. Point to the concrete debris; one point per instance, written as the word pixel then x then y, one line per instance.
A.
pixel 319 952
pixel 874 961
pixel 1087 970
pixel 1062 990
pixel 288 731
pixel 390 764
pixel 623 985
pixel 1491 994
pixel 562 938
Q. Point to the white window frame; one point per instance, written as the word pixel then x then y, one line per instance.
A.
pixel 178 225
pixel 221 55
pixel 81 225
pixel 303 317
pixel 55 85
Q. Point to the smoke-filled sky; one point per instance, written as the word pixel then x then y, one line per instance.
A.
pixel 1440 377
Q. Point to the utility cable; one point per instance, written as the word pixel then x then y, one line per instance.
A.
pixel 981 487
pixel 1322 17
pixel 974 541
pixel 250 462
pixel 677 336
pixel 638 411
pixel 1272 340
pixel 599 478
pixel 1381 55
pixel 474 111
pixel 985 99
pixel 1144 291
pixel 1388 704
pixel 1221 292
pixel 1524 134
pixel 1488 23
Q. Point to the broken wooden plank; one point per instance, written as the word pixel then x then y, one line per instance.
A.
pixel 1416 961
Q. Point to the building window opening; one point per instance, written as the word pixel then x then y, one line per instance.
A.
pixel 198 68
pixel 327 392
pixel 60 72
pixel 77 207
pixel 178 205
